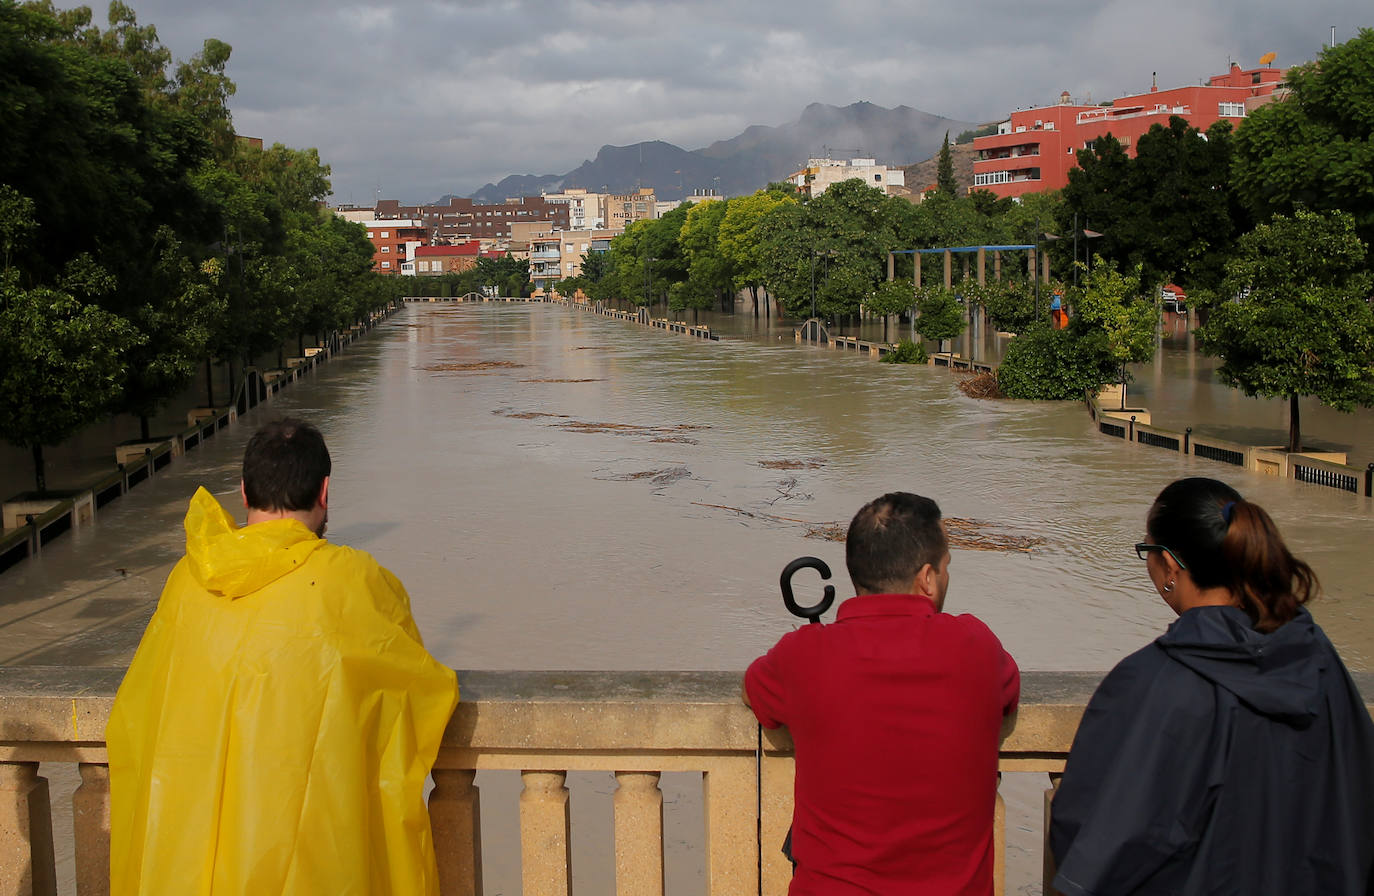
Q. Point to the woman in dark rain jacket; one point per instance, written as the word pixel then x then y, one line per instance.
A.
pixel 1234 754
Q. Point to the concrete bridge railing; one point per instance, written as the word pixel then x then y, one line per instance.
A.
pixel 541 725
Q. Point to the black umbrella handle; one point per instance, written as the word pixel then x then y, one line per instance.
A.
pixel 812 613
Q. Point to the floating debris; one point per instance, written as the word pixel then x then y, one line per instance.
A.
pixel 471 366
pixel 968 535
pixel 803 463
pixel 525 415
pixel 594 380
pixel 676 440
pixel 630 429
pixel 659 477
pixel 980 385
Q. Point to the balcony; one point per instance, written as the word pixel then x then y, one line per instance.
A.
pixel 634 726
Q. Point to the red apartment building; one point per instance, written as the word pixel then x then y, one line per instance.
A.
pixel 1035 149
pixel 389 242
pixel 463 219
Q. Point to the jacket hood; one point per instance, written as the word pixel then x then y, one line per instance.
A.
pixel 1277 674
pixel 233 561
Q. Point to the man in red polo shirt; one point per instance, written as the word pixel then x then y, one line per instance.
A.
pixel 895 711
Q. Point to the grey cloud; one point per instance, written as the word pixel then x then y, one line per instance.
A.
pixel 426 97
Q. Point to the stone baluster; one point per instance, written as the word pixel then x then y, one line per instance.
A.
pixel 91 827
pixel 638 834
pixel 731 832
pixel 1046 856
pixel 455 819
pixel 544 856
pixel 27 867
pixel 999 843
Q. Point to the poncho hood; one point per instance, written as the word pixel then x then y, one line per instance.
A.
pixel 1278 674
pixel 234 561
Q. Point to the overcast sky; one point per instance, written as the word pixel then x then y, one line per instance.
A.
pixel 418 98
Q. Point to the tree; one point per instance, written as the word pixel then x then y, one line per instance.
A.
pixel 708 270
pixel 940 315
pixel 891 297
pixel 1314 149
pixel 61 365
pixel 1045 364
pixel 1010 304
pixel 944 178
pixel 740 241
pixel 1299 320
pixel 1110 307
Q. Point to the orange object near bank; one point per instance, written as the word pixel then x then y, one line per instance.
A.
pixel 275 729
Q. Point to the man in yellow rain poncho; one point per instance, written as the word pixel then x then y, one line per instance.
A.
pixel 274 731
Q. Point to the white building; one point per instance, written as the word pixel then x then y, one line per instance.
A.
pixel 819 174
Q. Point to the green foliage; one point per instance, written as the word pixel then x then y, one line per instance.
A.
pixel 1010 304
pixel 1301 321
pixel 61 365
pixel 1170 209
pixel 892 297
pixel 970 135
pixel 944 178
pixel 1112 304
pixel 1046 364
pixel 906 352
pixel 1315 148
pixel 940 315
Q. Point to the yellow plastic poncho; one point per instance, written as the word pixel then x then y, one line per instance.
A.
pixel 274 731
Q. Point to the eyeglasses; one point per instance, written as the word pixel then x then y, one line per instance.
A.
pixel 1142 551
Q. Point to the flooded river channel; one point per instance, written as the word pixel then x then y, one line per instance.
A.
pixel 560 490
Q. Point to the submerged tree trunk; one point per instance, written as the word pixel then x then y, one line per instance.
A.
pixel 1294 429
pixel 40 477
pixel 1123 387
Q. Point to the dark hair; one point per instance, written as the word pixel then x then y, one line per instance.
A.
pixel 284 466
pixel 890 539
pixel 1226 541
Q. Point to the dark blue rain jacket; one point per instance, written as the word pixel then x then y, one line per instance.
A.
pixel 1219 760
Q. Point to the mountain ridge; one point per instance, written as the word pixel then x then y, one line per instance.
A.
pixel 741 164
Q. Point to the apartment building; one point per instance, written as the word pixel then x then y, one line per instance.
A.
pixel 585 209
pixel 556 255
pixel 623 208
pixel 394 240
pixel 460 219
pixel 820 174
pixel 1035 148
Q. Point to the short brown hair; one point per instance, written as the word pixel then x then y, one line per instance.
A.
pixel 890 539
pixel 284 466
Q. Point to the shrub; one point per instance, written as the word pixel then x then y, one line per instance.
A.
pixel 1054 365
pixel 906 352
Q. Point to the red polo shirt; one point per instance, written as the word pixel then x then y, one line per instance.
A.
pixel 895 712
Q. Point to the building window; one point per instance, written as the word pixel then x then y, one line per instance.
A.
pixel 384 234
pixel 371 234
pixel 386 264
pixel 991 177
pixel 878 177
pixel 1231 110
pixel 386 249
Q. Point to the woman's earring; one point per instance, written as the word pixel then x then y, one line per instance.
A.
pixel 1169 587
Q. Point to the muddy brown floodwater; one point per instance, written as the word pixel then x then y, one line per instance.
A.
pixel 558 490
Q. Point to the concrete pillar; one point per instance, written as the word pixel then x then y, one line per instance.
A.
pixel 544 856
pixel 982 265
pixel 776 773
pixel 949 264
pixel 91 830
pixel 731 836
pixel 891 265
pixel 997 264
pixel 27 867
pixel 455 819
pixel 916 277
pixel 638 805
pixel 1045 266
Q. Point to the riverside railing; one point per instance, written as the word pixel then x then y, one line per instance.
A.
pixel 30 522
pixel 541 725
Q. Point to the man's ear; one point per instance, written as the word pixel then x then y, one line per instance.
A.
pixel 323 499
pixel 243 493
pixel 925 582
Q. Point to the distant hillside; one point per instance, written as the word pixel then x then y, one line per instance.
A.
pixel 923 174
pixel 750 160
